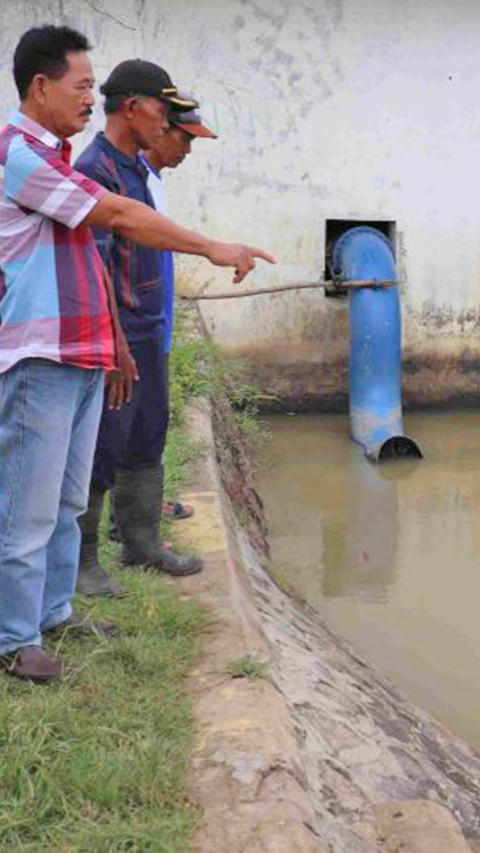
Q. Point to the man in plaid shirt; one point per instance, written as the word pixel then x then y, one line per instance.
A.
pixel 59 332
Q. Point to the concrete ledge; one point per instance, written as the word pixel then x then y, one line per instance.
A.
pixel 246 777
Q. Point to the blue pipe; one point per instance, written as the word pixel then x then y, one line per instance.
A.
pixel 365 254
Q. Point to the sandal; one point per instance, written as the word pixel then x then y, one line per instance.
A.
pixel 175 510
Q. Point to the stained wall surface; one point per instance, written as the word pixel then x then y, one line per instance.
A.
pixel 332 109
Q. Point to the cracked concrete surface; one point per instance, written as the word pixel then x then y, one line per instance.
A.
pixel 361 742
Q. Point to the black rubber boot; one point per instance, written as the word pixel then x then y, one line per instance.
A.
pixel 92 578
pixel 138 506
pixel 113 531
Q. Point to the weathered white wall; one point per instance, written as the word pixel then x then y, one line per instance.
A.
pixel 328 109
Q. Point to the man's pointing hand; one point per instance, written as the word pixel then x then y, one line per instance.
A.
pixel 236 255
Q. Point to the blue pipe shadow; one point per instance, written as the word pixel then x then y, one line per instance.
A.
pixel 365 254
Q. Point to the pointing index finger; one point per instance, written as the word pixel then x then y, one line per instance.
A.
pixel 259 253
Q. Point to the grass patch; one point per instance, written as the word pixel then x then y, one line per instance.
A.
pixel 180 451
pixel 199 370
pixel 247 667
pixel 97 763
pixel 192 374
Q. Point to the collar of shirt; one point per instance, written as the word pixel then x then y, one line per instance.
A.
pixel 29 126
pixel 146 162
pixel 125 159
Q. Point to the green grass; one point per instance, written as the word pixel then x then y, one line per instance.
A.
pixel 98 762
pixel 179 453
pixel 247 667
pixel 198 370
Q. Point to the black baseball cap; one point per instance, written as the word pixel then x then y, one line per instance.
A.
pixel 139 77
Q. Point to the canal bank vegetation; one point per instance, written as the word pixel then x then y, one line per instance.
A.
pixel 99 762
pixel 198 370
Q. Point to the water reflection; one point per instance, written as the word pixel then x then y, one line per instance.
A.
pixel 359 550
pixel 389 554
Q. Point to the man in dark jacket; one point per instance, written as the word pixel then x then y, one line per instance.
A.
pixel 131 441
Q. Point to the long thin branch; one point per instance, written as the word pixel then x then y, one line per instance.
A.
pixel 238 294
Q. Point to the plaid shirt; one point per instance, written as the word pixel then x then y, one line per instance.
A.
pixel 53 299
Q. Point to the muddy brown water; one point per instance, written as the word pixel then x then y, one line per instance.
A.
pixel 389 554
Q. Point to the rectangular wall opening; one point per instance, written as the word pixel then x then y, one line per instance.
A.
pixel 334 228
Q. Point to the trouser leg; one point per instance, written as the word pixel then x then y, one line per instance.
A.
pixel 63 548
pixel 151 425
pixel 146 438
pixel 113 434
pixel 39 401
pixel 145 441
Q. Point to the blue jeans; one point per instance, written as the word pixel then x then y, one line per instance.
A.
pixel 49 416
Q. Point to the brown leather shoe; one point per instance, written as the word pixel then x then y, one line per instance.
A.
pixel 78 624
pixel 32 664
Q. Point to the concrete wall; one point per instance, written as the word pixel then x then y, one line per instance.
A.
pixel 333 109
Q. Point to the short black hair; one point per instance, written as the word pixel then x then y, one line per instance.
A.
pixel 113 103
pixel 43 50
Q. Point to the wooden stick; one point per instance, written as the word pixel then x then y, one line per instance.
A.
pixel 236 294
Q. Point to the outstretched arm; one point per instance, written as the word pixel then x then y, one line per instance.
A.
pixel 143 225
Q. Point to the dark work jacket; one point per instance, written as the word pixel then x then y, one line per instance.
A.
pixel 134 269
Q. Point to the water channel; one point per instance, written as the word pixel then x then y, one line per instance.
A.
pixel 389 554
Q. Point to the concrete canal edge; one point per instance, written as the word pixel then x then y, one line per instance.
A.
pixel 323 754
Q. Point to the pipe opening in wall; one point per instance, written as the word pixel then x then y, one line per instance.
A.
pixel 334 228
